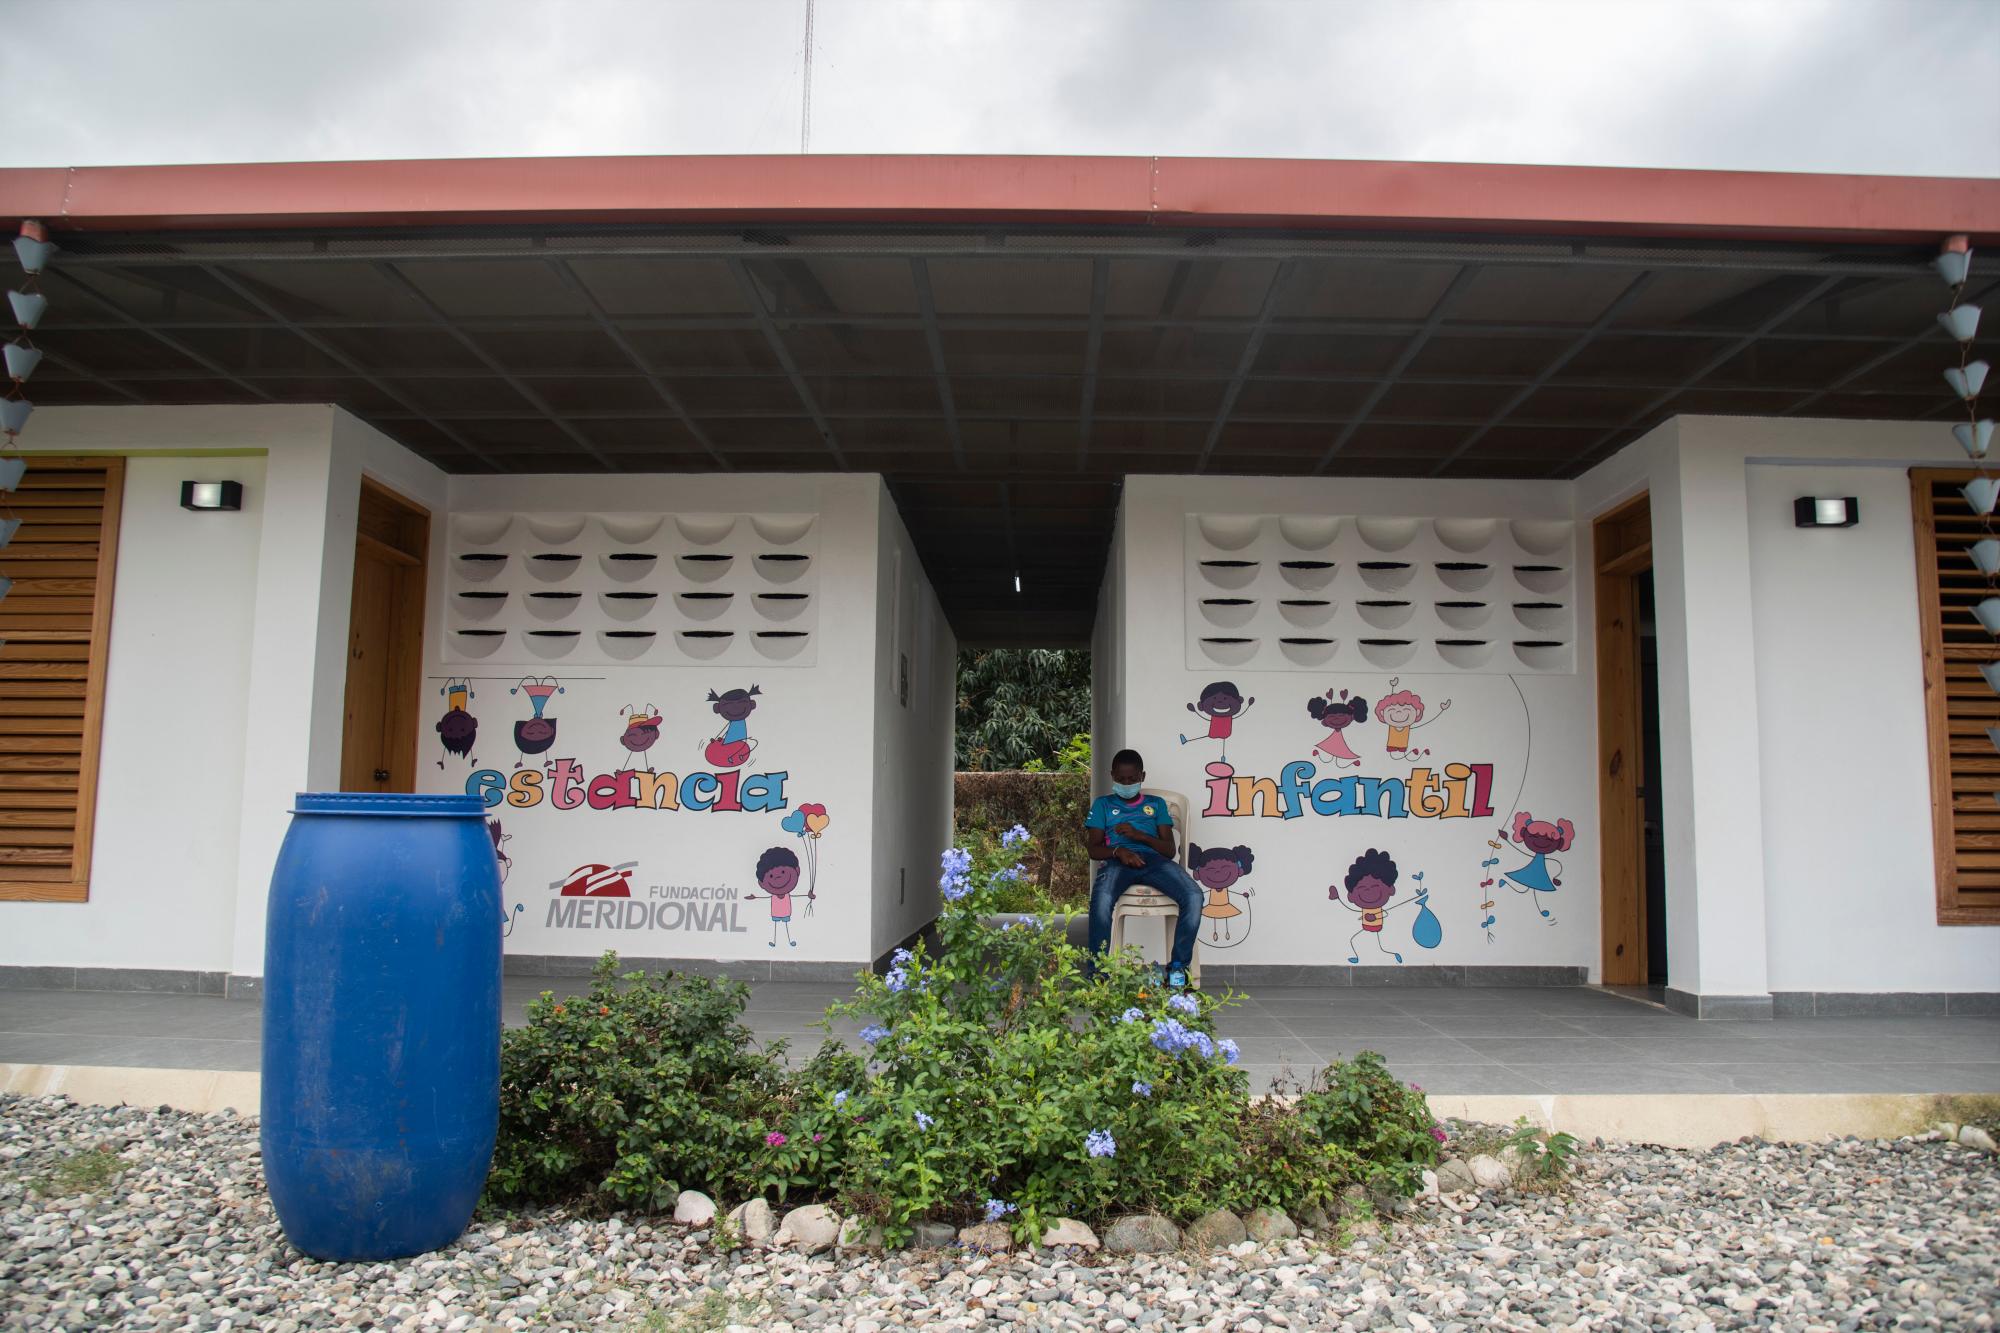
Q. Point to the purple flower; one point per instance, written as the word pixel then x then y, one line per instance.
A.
pixel 1231 1052
pixel 924 1121
pixel 900 958
pixel 873 1033
pixel 1171 1036
pixel 998 1208
pixel 1142 1089
pixel 1201 1042
pixel 1437 1132
pixel 1185 1004
pixel 1015 836
pixel 1132 1016
pixel 774 1139
pixel 1099 1143
pixel 840 1098
pixel 897 980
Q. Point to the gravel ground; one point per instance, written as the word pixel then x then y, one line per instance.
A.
pixel 1846 1235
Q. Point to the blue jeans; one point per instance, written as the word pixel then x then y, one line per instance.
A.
pixel 1114 877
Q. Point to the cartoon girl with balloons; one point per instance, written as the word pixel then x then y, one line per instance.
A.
pixel 779 869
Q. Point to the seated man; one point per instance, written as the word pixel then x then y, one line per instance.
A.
pixel 1133 835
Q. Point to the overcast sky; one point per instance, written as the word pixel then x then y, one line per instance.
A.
pixel 1895 86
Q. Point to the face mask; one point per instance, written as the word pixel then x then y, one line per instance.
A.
pixel 1125 791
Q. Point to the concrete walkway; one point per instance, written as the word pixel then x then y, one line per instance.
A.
pixel 1461 1041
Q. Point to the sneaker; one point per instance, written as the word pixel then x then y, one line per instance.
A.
pixel 1177 979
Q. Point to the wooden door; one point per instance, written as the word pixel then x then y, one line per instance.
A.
pixel 384 644
pixel 1622 549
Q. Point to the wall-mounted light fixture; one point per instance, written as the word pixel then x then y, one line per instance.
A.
pixel 1822 512
pixel 211 495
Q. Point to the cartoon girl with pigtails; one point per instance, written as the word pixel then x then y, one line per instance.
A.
pixel 1539 837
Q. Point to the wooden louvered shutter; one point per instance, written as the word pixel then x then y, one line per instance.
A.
pixel 57 626
pixel 1960 706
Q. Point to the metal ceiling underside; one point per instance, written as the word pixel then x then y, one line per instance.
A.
pixel 1004 381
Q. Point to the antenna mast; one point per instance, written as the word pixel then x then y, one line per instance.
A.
pixel 806 104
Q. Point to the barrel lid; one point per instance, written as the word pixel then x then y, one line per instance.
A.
pixel 387 803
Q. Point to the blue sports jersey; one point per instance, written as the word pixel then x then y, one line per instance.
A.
pixel 1148 814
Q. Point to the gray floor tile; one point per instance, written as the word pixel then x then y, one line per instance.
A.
pixel 1705 1050
pixel 1466 1079
pixel 70 1049
pixel 1784 1076
pixel 1469 1027
pixel 1898 1050
pixel 1587 1078
pixel 1940 1077
pixel 1315 1026
pixel 1428 1050
pixel 1570 1050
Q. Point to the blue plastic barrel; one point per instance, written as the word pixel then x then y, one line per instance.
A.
pixel 381 1078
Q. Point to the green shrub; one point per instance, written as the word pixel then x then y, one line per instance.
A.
pixel 634 1092
pixel 1384 1125
pixel 1051 806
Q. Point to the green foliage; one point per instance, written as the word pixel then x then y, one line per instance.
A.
pixel 1386 1125
pixel 1073 757
pixel 1006 1070
pixel 1020 705
pixel 1541 1160
pixel 87 1172
pixel 637 1091
pixel 1051 806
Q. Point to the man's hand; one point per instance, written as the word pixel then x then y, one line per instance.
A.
pixel 1130 832
pixel 1126 856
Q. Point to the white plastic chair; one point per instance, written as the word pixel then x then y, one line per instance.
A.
pixel 1143 900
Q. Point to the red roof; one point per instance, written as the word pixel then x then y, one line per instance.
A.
pixel 1182 191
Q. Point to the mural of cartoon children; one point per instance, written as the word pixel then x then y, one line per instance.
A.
pixel 642 731
pixel 1539 837
pixel 1337 715
pixel 1217 869
pixel 1221 703
pixel 1371 883
pixel 457 729
pixel 778 876
pixel 1403 713
pixel 535 735
pixel 500 841
pixel 731 747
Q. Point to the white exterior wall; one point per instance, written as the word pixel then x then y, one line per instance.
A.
pixel 1535 729
pixel 209 622
pixel 1821 875
pixel 913 739
pixel 823 733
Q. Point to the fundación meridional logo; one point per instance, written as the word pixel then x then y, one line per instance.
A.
pixel 710 907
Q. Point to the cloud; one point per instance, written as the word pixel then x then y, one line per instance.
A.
pixel 1806 85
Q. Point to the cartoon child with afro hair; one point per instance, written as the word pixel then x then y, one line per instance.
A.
pixel 1371 883
pixel 778 876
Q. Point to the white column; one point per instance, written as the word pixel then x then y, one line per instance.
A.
pixel 298 670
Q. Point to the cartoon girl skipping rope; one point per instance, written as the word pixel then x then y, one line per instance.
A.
pixel 1539 836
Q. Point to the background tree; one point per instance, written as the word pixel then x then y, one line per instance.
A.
pixel 1017 705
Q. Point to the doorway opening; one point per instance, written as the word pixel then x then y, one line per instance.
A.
pixel 1628 735
pixel 385 640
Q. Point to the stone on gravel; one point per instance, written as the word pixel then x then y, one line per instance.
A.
pixel 694 1209
pixel 1455 1177
pixel 812 1228
pixel 933 1235
pixel 1430 1188
pixel 1269 1224
pixel 1314 1218
pixel 1216 1231
pixel 859 1233
pixel 1490 1173
pixel 754 1222
pixel 1142 1233
pixel 987 1238
pixel 1068 1231
pixel 1972 1136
